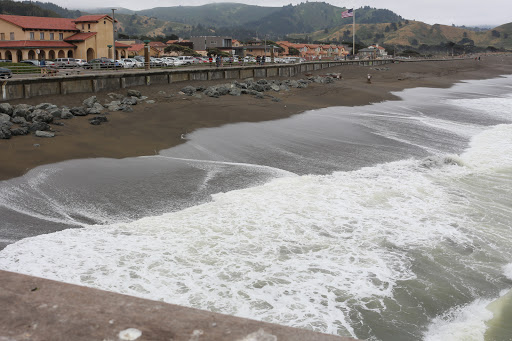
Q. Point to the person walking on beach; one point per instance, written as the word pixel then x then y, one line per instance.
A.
pixel 217 61
pixel 369 78
pixel 211 61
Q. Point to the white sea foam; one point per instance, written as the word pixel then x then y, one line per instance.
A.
pixel 507 271
pixel 299 251
pixel 302 251
pixel 489 106
pixel 466 323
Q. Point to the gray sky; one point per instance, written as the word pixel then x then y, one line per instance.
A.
pixel 458 12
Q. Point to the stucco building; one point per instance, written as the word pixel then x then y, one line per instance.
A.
pixel 86 37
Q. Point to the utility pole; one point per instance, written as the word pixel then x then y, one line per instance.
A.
pixel 114 33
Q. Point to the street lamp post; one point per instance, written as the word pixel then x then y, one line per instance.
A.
pixel 146 54
pixel 114 33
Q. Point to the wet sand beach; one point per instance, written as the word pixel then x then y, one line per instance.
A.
pixel 153 127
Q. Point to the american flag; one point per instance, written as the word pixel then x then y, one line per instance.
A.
pixel 348 13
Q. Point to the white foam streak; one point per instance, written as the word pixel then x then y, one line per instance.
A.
pixel 466 323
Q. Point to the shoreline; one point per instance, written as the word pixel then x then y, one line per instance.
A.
pixel 151 128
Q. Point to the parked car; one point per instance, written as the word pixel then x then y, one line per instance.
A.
pixel 66 62
pixel 170 61
pixel 102 63
pixel 187 60
pixel 32 62
pixel 127 63
pixel 136 62
pixel 5 72
pixel 81 62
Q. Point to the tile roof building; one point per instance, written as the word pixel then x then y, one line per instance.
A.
pixel 86 37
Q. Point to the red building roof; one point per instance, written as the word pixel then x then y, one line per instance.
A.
pixel 91 18
pixel 80 36
pixel 34 44
pixel 122 46
pixel 157 44
pixel 41 23
pixel 136 47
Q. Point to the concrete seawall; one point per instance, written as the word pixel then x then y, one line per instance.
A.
pixel 38 309
pixel 43 86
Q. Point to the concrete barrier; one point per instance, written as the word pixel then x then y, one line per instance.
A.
pixel 31 87
pixel 38 309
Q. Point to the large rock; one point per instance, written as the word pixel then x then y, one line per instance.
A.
pixel 19 120
pixel 189 90
pixel 126 108
pixel 211 91
pixel 5 133
pixel 262 81
pixel 89 102
pixel 6 108
pixel 4 118
pixel 92 111
pixel 257 87
pixel 78 111
pixel 134 93
pixel 39 126
pixel 129 100
pixel 39 115
pixel 293 83
pixel 66 114
pixel 19 131
pixel 40 133
pixel 275 87
pixel 223 90
pixel 97 120
pixel 56 112
pixel 113 107
pixel 235 92
pixel 46 106
pixel 22 110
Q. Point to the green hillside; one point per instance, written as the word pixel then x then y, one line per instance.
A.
pixel 211 15
pixel 415 34
pixel 24 8
pixel 312 16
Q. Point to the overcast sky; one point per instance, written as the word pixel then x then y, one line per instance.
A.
pixel 458 12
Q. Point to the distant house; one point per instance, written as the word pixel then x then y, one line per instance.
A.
pixel 256 50
pixel 159 46
pixel 373 52
pixel 314 51
pixel 203 43
pixel 138 50
pixel 26 37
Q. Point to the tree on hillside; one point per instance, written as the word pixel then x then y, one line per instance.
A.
pixel 387 29
pixel 414 42
pixel 495 33
pixel 213 51
pixel 181 50
pixel 293 51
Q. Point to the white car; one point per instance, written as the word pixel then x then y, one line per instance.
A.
pixel 187 60
pixel 123 63
pixel 81 62
pixel 174 61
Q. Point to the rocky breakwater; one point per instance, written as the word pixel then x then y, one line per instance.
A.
pixel 24 119
pixel 261 88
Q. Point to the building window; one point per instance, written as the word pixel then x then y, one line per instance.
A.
pixel 61 36
pixel 12 35
pixel 52 36
pixel 41 36
pixel 31 36
pixel 2 36
pixel 104 22
pixel 83 26
pixel 89 26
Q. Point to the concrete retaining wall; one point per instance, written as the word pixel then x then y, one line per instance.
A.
pixel 26 88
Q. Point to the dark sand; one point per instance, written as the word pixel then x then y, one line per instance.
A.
pixel 152 127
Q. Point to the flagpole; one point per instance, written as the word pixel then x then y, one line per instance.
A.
pixel 354 32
